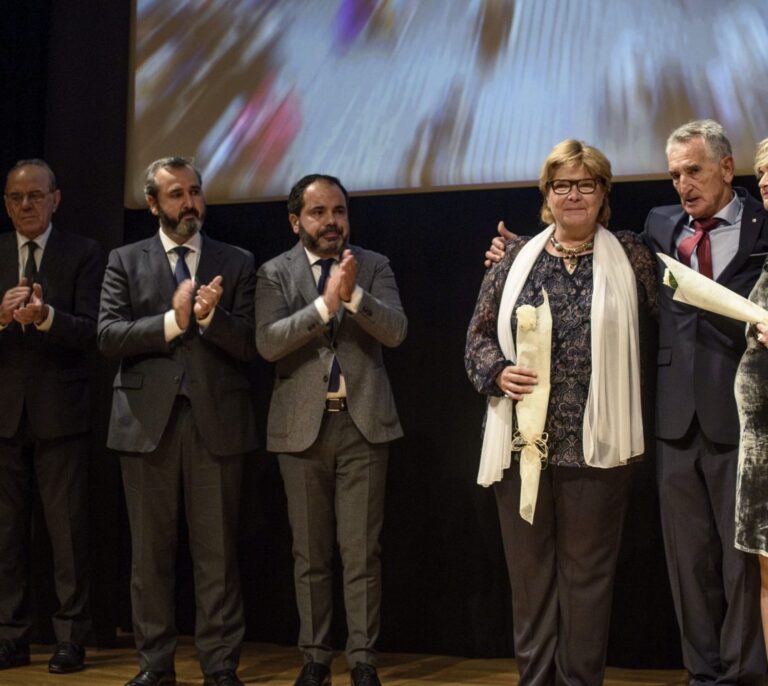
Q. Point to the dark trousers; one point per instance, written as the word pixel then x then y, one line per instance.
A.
pixel 715 588
pixel 335 491
pixel 562 569
pixel 154 483
pixel 59 468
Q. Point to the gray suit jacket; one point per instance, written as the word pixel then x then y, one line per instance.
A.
pixel 137 291
pixel 699 351
pixel 290 331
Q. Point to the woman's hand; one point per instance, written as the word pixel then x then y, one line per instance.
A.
pixel 516 382
pixel 762 335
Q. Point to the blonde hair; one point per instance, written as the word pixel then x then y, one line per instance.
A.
pixel 571 152
pixel 761 155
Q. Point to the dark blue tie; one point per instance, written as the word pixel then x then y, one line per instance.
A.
pixel 181 272
pixel 325 272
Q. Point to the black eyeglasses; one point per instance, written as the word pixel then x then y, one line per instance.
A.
pixel 563 186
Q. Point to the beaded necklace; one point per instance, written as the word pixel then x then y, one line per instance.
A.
pixel 571 255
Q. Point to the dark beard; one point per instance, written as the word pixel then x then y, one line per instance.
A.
pixel 313 244
pixel 180 228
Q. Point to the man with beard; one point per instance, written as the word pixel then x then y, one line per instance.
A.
pixel 323 311
pixel 49 281
pixel 182 418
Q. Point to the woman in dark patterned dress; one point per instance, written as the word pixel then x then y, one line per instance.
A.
pixel 752 400
pixel 601 288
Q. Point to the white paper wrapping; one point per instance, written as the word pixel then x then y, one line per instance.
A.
pixel 700 291
pixel 534 351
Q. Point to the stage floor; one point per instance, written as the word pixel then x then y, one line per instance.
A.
pixel 265 663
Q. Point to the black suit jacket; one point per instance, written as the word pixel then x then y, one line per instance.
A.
pixel 48 371
pixel 698 351
pixel 137 291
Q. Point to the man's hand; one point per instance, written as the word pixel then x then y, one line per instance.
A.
pixel 498 245
pixel 762 335
pixel 182 303
pixel 35 311
pixel 516 382
pixel 13 299
pixel 348 278
pixel 331 295
pixel 207 298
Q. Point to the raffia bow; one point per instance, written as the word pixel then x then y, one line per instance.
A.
pixel 532 450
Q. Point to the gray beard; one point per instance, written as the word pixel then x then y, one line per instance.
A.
pixel 184 229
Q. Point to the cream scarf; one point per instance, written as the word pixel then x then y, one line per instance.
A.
pixel 613 426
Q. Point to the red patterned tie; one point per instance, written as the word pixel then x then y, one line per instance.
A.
pixel 700 238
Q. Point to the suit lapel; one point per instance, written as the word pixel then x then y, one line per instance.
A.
pixel 301 272
pixel 158 265
pixel 50 265
pixel 210 264
pixel 751 227
pixel 675 222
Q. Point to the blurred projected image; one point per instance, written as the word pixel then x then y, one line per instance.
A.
pixel 403 94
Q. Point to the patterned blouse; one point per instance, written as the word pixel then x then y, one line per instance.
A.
pixel 570 300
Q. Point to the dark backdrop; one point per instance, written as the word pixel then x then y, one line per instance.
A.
pixel 65 67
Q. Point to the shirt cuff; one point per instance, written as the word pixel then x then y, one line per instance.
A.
pixel 172 329
pixel 354 301
pixel 45 325
pixel 322 309
pixel 491 387
pixel 205 323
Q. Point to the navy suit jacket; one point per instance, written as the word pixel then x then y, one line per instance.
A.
pixel 137 291
pixel 48 371
pixel 698 351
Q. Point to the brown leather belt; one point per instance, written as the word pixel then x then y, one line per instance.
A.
pixel 335 404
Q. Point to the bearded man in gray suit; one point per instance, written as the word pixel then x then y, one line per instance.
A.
pixel 323 311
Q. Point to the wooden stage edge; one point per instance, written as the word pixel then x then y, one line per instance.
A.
pixel 265 663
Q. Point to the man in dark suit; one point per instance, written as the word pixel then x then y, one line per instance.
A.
pixel 323 311
pixel 50 285
pixel 723 233
pixel 177 310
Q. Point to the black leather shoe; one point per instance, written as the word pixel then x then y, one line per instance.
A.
pixel 150 678
pixel 314 674
pixel 13 654
pixel 364 674
pixel 68 657
pixel 226 677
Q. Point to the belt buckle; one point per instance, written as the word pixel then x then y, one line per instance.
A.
pixel 335 404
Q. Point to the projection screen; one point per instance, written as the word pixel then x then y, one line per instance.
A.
pixel 396 95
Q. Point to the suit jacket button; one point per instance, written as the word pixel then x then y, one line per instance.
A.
pixel 176 379
pixel 325 379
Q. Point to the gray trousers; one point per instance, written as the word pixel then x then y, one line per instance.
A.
pixel 561 570
pixel 715 587
pixel 153 485
pixel 335 491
